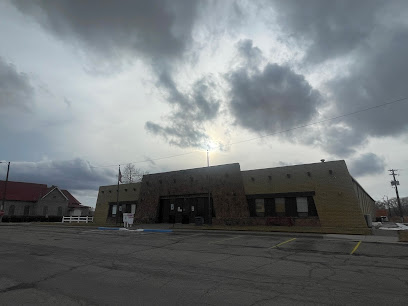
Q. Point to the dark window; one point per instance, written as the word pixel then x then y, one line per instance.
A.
pixel 45 210
pixel 311 206
pixel 251 207
pixel 270 207
pixel 11 210
pixel 26 210
pixel 260 207
pixel 59 211
pixel 290 207
pixel 113 208
pixel 128 208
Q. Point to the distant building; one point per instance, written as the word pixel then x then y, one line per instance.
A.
pixel 319 195
pixel 37 202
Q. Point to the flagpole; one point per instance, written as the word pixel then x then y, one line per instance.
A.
pixel 117 198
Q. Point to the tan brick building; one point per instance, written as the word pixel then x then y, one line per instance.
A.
pixel 319 195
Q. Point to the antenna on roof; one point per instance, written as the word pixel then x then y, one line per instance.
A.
pixel 322 160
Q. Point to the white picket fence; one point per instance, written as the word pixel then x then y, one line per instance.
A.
pixel 77 219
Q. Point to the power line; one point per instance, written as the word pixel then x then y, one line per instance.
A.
pixel 322 121
pixel 246 140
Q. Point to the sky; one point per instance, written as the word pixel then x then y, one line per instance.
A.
pixel 86 86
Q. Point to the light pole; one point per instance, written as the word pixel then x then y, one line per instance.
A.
pixel 209 191
pixel 4 192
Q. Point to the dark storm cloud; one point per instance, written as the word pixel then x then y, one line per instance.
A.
pixel 72 175
pixel 367 164
pixel 179 134
pixel 373 35
pixel 269 99
pixel 337 139
pixel 191 110
pixel 378 76
pixel 327 28
pixel 15 88
pixel 116 30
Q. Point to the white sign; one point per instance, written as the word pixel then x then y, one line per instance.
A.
pixel 179 209
pixel 128 219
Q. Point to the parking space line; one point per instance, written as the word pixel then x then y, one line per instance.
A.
pixel 355 248
pixel 222 240
pixel 275 246
pixel 184 237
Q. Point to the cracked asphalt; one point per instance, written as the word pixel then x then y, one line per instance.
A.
pixel 81 266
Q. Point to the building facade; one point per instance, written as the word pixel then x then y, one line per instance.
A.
pixel 321 195
pixel 37 202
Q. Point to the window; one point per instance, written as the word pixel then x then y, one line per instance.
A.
pixel 280 207
pixel 45 210
pixel 114 209
pixel 290 207
pixel 311 206
pixel 260 207
pixel 26 210
pixel 270 207
pixel 133 210
pixel 11 210
pixel 302 207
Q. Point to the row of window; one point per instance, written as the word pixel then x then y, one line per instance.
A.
pixel 282 207
pixel 124 208
pixel 12 209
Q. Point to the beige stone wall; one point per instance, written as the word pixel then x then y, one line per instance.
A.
pixel 336 202
pixel 108 194
pixel 53 200
pixel 367 204
pixel 225 184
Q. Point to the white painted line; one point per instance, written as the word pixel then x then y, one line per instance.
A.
pixel 222 240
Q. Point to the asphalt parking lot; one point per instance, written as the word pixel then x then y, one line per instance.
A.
pixel 83 266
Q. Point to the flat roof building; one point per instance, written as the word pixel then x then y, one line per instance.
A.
pixel 320 195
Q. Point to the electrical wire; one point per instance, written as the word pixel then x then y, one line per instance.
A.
pixel 246 140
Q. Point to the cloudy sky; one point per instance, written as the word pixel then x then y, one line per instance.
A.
pixel 88 85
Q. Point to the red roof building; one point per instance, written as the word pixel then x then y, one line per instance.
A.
pixel 32 200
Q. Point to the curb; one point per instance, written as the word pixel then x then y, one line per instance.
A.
pixel 135 230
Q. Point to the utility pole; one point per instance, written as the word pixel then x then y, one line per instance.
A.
pixel 209 190
pixel 4 193
pixel 395 183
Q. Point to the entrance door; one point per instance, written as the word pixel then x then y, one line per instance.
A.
pixel 179 210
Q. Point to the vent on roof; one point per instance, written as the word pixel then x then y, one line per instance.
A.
pixel 252 179
pixel 174 180
pixel 270 177
pixel 110 191
pixel 309 174
pixel 160 182
pixel 134 189
pixel 125 189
